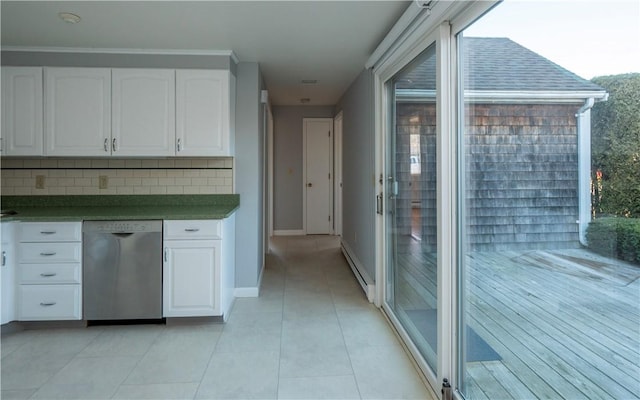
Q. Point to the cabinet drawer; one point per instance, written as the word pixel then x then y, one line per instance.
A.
pixel 44 274
pixel 193 229
pixel 50 232
pixel 39 253
pixel 49 302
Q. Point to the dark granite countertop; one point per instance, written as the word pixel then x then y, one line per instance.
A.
pixel 115 207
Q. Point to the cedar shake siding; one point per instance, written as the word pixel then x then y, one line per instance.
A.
pixel 521 149
pixel 522 177
pixel 522 167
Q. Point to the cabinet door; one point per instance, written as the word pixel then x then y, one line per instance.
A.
pixel 191 277
pixel 202 113
pixel 22 133
pixel 77 111
pixel 143 106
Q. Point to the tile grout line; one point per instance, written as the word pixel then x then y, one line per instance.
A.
pixel 142 356
pixel 284 298
pixel 353 372
pixel 206 368
pixel 67 364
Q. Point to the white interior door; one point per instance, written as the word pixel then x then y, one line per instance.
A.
pixel 318 183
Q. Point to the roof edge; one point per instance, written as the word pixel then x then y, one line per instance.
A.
pixel 507 96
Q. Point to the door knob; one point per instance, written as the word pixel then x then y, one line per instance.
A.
pixel 309 184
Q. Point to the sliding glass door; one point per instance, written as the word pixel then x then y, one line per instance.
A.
pixel 411 209
pixel 509 231
pixel 549 299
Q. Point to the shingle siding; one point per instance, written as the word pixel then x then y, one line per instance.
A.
pixel 521 169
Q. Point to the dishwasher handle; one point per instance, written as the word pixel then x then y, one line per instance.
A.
pixel 122 234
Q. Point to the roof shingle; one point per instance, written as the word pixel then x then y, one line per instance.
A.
pixel 500 64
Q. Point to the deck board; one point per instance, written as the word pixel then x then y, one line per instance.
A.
pixel 566 323
pixel 537 286
pixel 578 331
pixel 558 351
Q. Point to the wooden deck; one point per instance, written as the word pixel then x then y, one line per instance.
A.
pixel 565 322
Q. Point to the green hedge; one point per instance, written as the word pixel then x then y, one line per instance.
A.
pixel 615 237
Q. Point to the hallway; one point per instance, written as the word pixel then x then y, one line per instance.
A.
pixel 310 335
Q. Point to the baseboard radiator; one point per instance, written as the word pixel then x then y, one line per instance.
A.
pixel 367 283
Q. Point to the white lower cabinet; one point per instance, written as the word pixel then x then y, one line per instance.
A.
pixel 7 276
pixel 191 270
pixel 197 274
pixel 49 271
pixel 49 302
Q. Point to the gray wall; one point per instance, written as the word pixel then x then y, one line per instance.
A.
pixel 287 166
pixel 358 165
pixel 249 169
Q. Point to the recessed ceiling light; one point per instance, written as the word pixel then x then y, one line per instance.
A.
pixel 309 81
pixel 69 18
pixel 305 100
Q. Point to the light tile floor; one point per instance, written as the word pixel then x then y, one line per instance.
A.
pixel 310 335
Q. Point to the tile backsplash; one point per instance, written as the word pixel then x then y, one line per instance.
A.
pixel 77 176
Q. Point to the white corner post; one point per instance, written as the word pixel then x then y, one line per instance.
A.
pixel 583 125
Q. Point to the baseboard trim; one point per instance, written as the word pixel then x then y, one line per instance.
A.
pixel 368 284
pixel 293 232
pixel 246 292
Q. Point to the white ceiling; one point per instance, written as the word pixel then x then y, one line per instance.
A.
pixel 292 40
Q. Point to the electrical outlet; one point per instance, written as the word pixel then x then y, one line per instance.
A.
pixel 103 182
pixel 39 181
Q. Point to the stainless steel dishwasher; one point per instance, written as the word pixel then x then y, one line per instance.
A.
pixel 122 270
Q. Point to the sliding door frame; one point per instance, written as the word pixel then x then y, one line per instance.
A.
pixel 441 37
pixel 432 26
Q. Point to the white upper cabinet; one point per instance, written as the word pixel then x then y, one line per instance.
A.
pixel 203 113
pixel 126 112
pixel 143 112
pixel 77 111
pixel 22 111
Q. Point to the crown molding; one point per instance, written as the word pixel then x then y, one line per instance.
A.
pixel 97 50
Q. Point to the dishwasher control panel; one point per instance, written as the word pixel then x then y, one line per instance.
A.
pixel 125 226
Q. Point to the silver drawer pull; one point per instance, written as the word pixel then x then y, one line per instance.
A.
pixel 48 232
pixel 48 275
pixel 51 253
pixel 53 303
pixel 191 229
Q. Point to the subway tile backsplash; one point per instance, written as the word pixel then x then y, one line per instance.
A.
pixel 73 176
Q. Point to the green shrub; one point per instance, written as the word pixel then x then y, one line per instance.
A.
pixel 615 237
pixel 615 136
